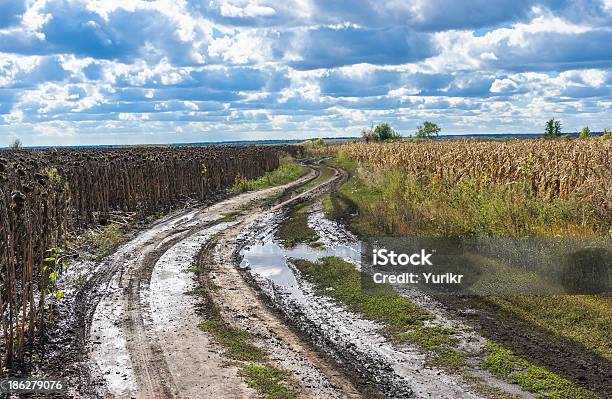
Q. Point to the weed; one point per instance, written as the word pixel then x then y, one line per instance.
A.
pixel 490 391
pixel 195 269
pixel 430 337
pixel 54 176
pixel 230 216
pixel 269 381
pixel 237 342
pixel 153 217
pixel 449 358
pixel 104 242
pixel 54 265
pixel 285 173
pixel 538 380
pixel 295 229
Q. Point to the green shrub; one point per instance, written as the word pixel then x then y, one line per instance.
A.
pixel 553 128
pixel 585 132
pixel 384 132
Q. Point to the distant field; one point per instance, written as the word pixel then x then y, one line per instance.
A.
pixel 328 140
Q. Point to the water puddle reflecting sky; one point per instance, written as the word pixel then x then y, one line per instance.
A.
pixel 269 260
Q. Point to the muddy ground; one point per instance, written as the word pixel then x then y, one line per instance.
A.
pixel 562 356
pixel 131 329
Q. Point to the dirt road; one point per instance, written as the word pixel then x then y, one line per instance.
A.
pixel 144 336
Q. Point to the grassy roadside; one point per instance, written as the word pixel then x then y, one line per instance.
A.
pixel 405 321
pixel 105 240
pixel 545 384
pixel 586 319
pixel 287 172
pixel 388 204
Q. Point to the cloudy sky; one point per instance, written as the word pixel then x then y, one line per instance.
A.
pixel 135 71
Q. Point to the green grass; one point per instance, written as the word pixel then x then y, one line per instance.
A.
pixel 294 230
pixel 326 173
pixel 195 270
pixel 287 172
pixel 104 242
pixel 403 320
pixel 430 337
pixel 230 216
pixel 585 319
pixel 268 381
pixel 538 380
pixel 153 217
pixel 237 342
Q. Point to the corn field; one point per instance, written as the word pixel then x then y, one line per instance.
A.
pixel 563 169
pixel 45 194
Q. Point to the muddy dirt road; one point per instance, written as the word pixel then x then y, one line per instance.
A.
pixel 139 317
pixel 144 340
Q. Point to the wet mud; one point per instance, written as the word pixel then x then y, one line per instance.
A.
pixel 562 356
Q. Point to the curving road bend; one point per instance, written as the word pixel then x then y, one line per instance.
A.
pixel 144 340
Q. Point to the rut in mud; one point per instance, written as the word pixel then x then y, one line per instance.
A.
pixel 353 341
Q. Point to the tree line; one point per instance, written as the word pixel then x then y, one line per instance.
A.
pixel 430 130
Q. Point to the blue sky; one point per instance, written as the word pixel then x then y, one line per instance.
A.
pixel 135 71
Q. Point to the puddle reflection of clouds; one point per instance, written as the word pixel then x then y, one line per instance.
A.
pixel 269 260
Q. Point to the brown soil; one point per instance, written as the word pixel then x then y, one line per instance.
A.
pixel 564 357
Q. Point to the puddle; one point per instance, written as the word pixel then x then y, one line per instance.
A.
pixel 269 260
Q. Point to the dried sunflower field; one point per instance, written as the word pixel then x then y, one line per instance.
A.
pixel 45 194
